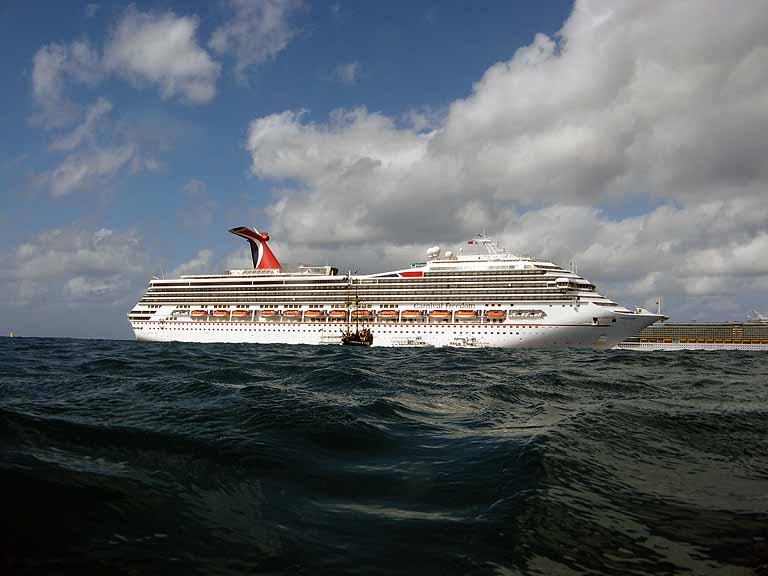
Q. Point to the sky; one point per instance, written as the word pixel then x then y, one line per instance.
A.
pixel 629 137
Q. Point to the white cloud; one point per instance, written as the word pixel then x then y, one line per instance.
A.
pixel 94 164
pixel 144 164
pixel 198 265
pixel 195 188
pixel 144 47
pixel 94 113
pixel 635 103
pixel 238 260
pixel 83 170
pixel 161 49
pixel 55 66
pixel 348 73
pixel 71 265
pixel 258 31
pixel 150 47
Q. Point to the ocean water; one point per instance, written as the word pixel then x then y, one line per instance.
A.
pixel 150 458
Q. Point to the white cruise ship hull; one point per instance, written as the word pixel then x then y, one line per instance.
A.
pixel 573 330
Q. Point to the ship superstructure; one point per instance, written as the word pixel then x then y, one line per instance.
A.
pixel 491 298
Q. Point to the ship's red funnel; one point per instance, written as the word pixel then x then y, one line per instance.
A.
pixel 263 258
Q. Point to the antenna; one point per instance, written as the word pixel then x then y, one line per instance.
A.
pixel 658 306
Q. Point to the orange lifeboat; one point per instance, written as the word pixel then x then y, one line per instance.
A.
pixel 495 314
pixel 388 313
pixel 267 313
pixel 440 314
pixel 411 314
pixel 466 314
pixel 361 313
pixel 338 314
pixel 220 313
pixel 240 313
pixel 292 313
pixel 313 313
pixel 199 313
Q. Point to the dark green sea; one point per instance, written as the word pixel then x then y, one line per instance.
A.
pixel 137 458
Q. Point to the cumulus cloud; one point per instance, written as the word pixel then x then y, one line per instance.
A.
pixel 95 112
pixel 658 106
pixel 96 152
pixel 161 49
pixel 257 31
pixel 93 161
pixel 348 73
pixel 71 265
pixel 82 170
pixel 54 67
pixel 195 188
pixel 200 264
pixel 153 48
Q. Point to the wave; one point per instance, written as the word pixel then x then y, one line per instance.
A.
pixel 129 457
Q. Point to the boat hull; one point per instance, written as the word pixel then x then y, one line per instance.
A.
pixel 603 335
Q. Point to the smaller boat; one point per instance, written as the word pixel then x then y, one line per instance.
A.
pixel 291 313
pixel 314 313
pixel 361 313
pixel 466 314
pixel 388 313
pixel 411 314
pixel 362 337
pixel 268 313
pixel 199 313
pixel 338 314
pixel 220 313
pixel 496 314
pixel 240 313
pixel 440 314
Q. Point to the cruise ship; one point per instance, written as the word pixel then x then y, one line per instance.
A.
pixel 749 335
pixel 479 296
